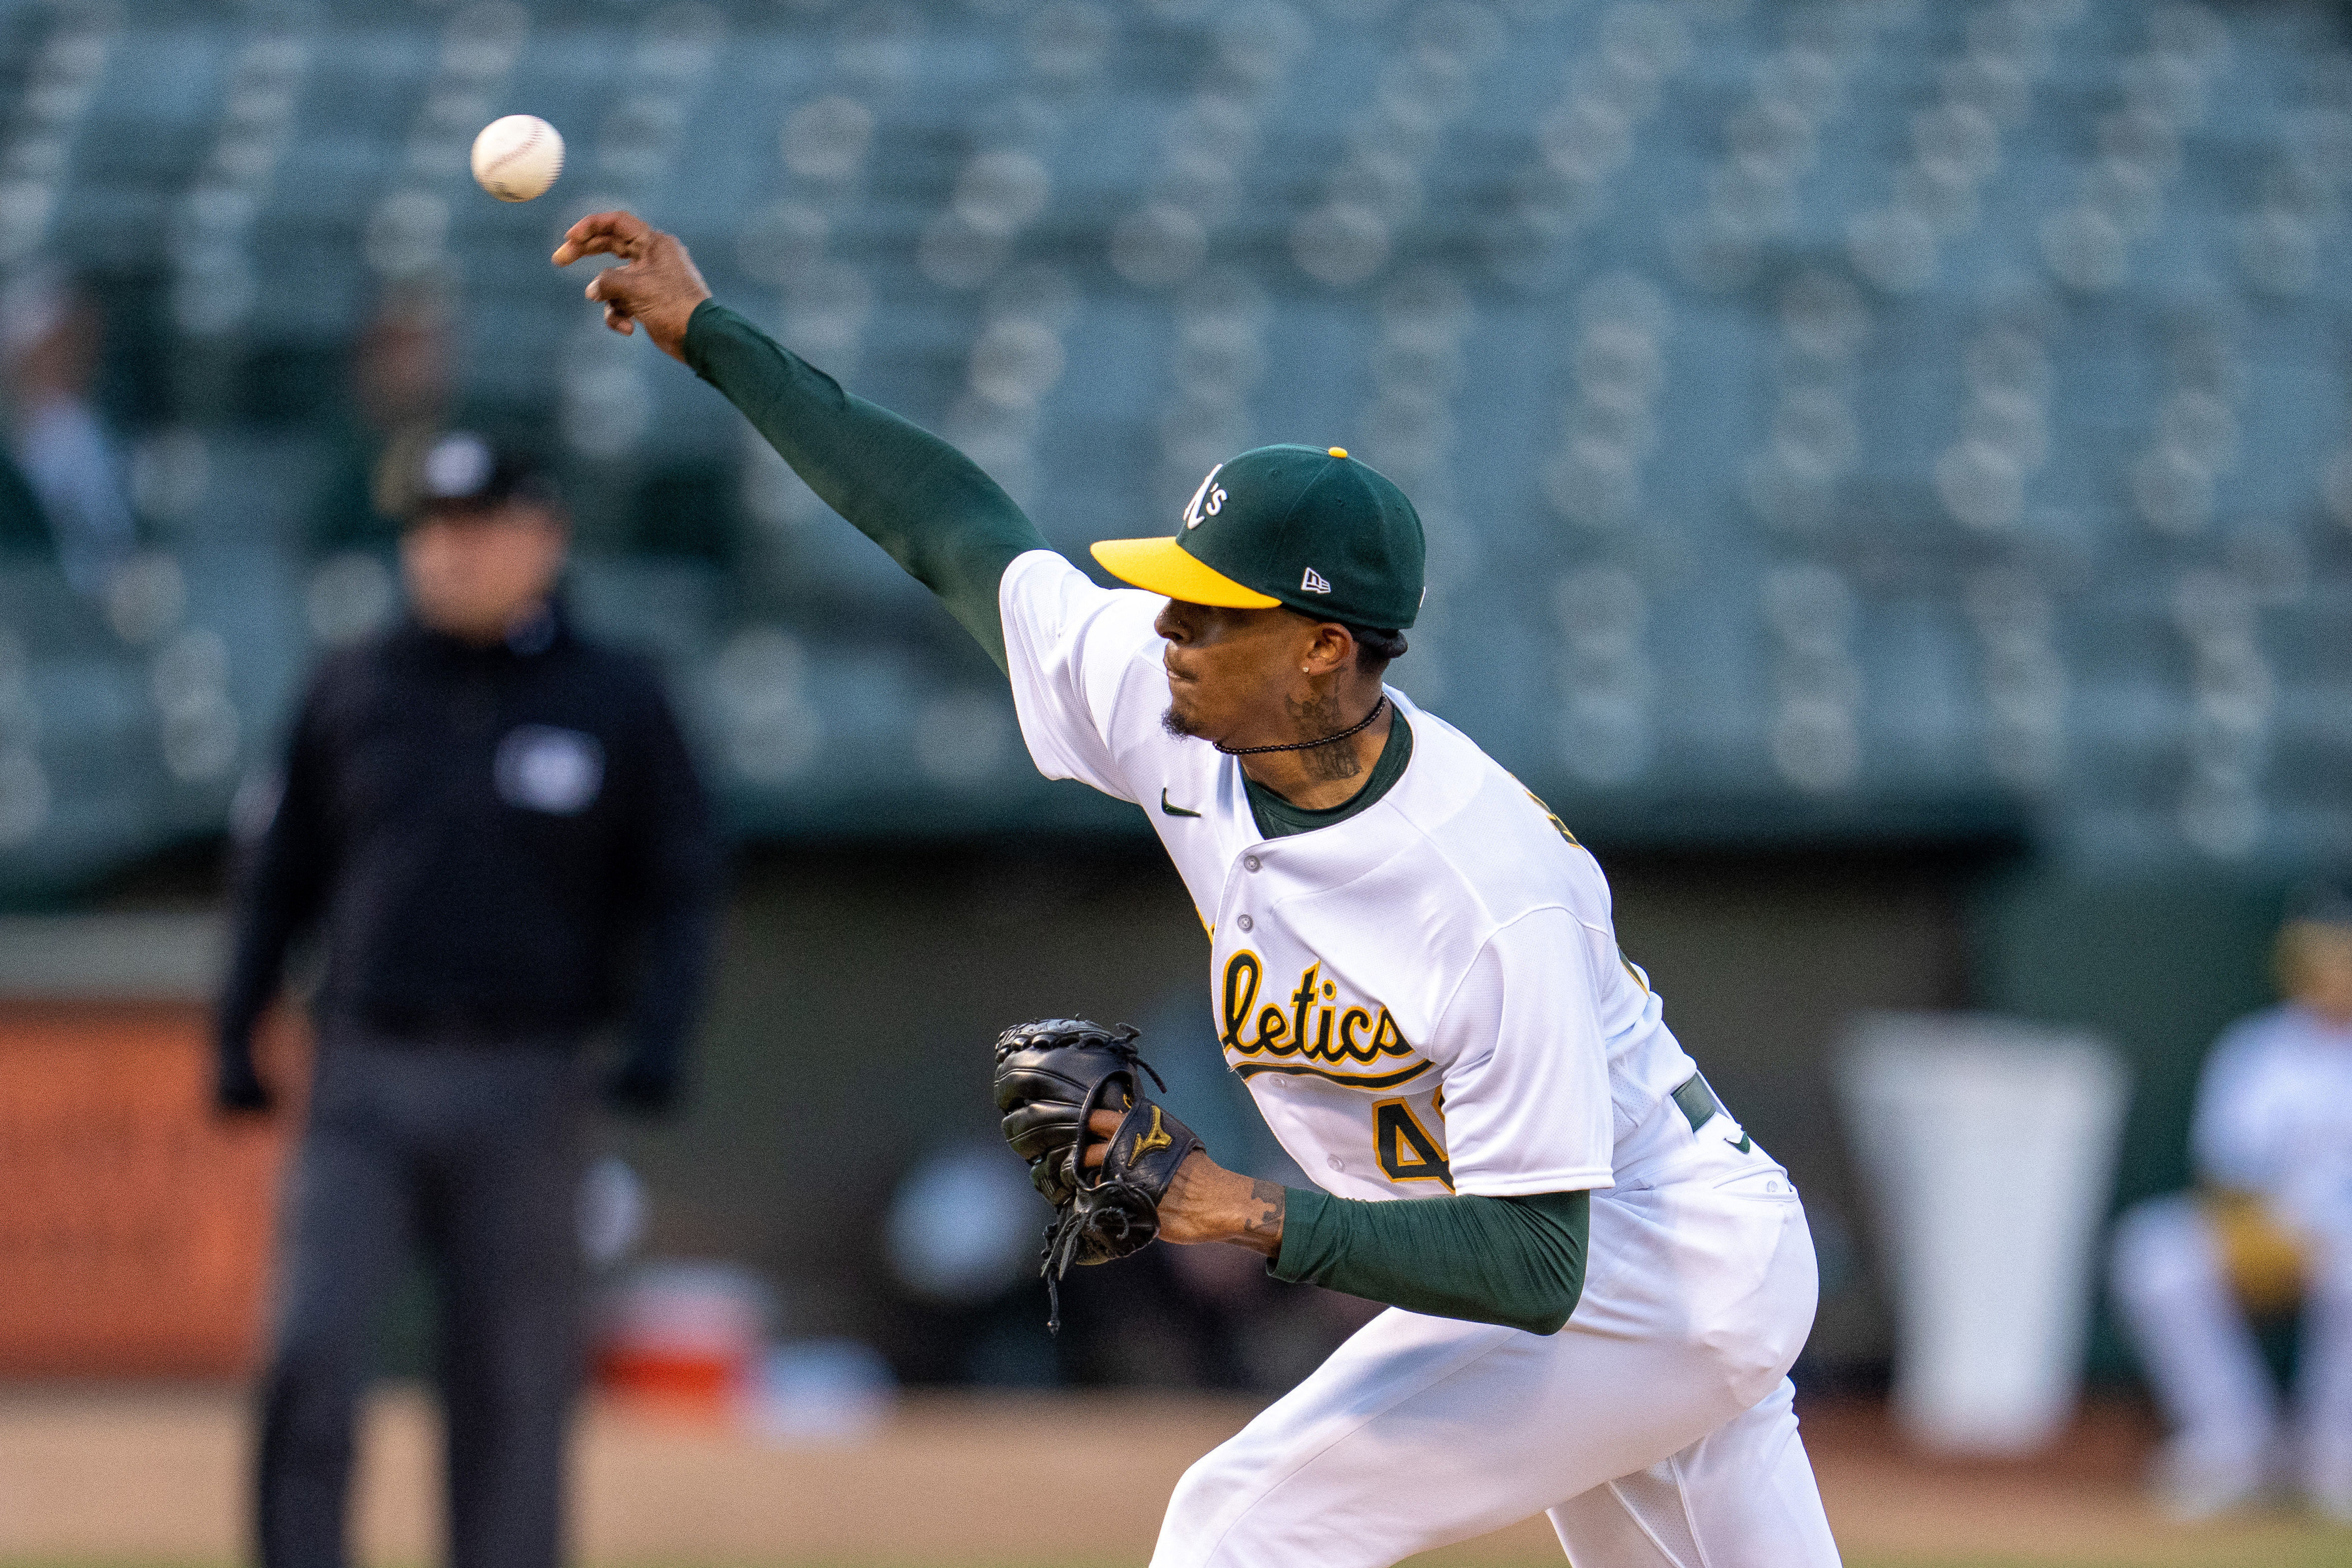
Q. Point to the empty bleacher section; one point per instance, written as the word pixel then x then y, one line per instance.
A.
pixel 1870 417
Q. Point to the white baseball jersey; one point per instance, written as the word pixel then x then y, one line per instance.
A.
pixel 2274 1115
pixel 1425 997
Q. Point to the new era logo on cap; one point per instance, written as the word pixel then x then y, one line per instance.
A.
pixel 1313 583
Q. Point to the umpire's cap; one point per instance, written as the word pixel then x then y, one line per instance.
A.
pixel 1308 527
pixel 459 471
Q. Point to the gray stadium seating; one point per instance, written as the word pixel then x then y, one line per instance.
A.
pixel 1864 418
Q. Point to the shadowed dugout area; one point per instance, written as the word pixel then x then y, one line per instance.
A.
pixel 149 1476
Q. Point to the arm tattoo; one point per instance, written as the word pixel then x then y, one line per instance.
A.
pixel 1266 1224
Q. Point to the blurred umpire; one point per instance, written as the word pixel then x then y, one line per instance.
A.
pixel 494 827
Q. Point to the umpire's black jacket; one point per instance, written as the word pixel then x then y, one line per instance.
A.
pixel 496 842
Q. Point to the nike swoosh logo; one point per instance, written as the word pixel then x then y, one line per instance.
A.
pixel 1745 1143
pixel 1172 810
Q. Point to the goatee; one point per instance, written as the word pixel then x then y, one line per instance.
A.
pixel 1178 725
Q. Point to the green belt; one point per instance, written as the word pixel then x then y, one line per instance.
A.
pixel 1696 1098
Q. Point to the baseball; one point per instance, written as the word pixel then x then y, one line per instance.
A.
pixel 518 157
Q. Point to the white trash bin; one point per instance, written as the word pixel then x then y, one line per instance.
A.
pixel 1987 1149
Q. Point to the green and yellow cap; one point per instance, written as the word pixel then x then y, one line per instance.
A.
pixel 1305 527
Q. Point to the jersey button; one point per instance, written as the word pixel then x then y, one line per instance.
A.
pixel 1335 1162
pixel 1245 922
pixel 1250 862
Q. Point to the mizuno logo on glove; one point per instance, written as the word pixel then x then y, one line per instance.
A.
pixel 1156 1139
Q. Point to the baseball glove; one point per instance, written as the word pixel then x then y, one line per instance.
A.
pixel 1050 1077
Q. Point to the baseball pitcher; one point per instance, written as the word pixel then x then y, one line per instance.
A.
pixel 1600 1281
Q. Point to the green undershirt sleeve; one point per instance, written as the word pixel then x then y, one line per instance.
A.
pixel 929 505
pixel 1515 1261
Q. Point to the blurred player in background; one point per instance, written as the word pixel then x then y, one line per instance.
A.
pixel 492 824
pixel 2269 1230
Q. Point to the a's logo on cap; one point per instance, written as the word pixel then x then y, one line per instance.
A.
pixel 1313 583
pixel 458 466
pixel 1207 501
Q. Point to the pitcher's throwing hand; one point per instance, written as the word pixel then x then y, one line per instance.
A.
pixel 656 285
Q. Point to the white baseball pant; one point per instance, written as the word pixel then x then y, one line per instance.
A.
pixel 1655 1430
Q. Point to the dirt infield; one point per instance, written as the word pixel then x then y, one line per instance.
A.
pixel 144 1476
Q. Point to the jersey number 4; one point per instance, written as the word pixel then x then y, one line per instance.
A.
pixel 1407 1153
